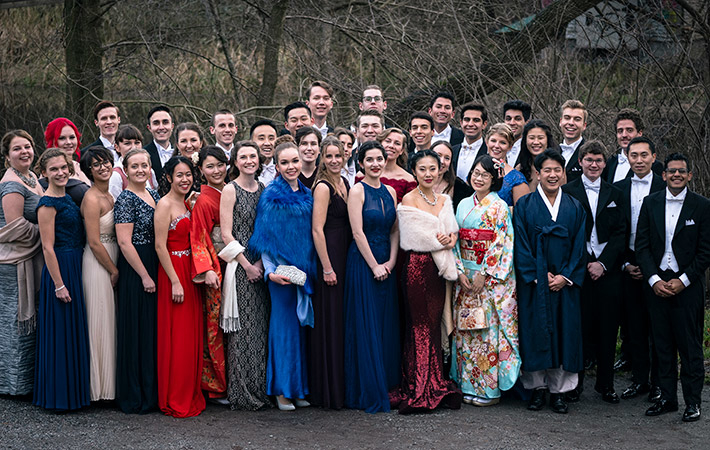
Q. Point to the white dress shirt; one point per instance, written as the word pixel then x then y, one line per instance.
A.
pixel 110 146
pixel 268 173
pixel 673 208
pixel 445 135
pixel 323 130
pixel 569 149
pixel 622 167
pixel 640 188
pixel 513 153
pixel 594 247
pixel 227 152
pixel 467 155
pixel 164 153
pixel 349 172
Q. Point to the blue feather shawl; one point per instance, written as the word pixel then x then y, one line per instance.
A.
pixel 283 225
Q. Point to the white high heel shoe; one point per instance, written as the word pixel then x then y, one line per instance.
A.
pixel 284 406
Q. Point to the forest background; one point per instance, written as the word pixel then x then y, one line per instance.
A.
pixel 58 57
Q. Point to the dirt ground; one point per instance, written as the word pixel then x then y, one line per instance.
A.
pixel 590 424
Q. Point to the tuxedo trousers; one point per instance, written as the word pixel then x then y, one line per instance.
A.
pixel 677 327
pixel 601 311
pixel 642 345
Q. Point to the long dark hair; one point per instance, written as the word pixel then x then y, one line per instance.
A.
pixel 449 175
pixel 526 158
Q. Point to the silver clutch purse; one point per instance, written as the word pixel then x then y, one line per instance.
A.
pixel 293 273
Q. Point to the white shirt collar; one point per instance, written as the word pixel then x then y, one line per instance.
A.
pixel 587 181
pixel 554 208
pixel 445 135
pixel 648 177
pixel 475 146
pixel 323 130
pixel 680 197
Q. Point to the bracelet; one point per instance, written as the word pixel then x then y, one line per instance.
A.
pixel 328 273
pixel 60 288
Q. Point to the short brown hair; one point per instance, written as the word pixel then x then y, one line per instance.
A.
pixel 632 115
pixel 593 147
pixel 322 84
pixel 103 104
pixel 7 140
pixel 371 112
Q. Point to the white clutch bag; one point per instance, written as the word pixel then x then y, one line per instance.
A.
pixel 293 273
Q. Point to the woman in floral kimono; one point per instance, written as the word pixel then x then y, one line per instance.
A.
pixel 485 339
pixel 206 242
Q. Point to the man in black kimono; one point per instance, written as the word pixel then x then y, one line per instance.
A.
pixel 550 263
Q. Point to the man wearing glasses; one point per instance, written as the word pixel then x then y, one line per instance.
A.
pixel 673 250
pixel 372 98
pixel 605 230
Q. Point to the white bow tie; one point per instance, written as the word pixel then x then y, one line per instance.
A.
pixel 592 186
pixel 622 158
pixel 641 180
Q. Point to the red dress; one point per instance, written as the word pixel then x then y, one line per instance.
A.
pixel 205 231
pixel 179 331
pixel 400 186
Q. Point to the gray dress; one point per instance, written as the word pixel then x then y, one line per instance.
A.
pixel 17 351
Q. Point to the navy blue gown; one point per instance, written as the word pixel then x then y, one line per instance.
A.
pixel 371 312
pixel 62 361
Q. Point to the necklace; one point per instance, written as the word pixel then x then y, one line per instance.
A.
pixel 29 181
pixel 436 199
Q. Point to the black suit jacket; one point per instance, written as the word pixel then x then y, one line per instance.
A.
pixel 157 166
pixel 573 169
pixel 657 184
pixel 691 238
pixel 457 148
pixel 611 226
pixel 95 143
pixel 613 162
pixel 456 136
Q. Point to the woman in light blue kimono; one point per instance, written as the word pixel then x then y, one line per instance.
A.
pixel 485 354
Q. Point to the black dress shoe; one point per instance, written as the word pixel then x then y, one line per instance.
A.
pixel 635 389
pixel 537 400
pixel 654 394
pixel 589 364
pixel 622 365
pixel 573 395
pixel 692 413
pixel 558 404
pixel 610 396
pixel 661 407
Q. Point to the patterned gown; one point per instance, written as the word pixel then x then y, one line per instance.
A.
pixel 206 239
pixel 487 361
pixel 246 348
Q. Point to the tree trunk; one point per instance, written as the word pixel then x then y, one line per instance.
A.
pixel 84 56
pixel 272 46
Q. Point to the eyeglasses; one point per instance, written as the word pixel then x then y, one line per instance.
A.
pixel 99 164
pixel 593 161
pixel 376 98
pixel 680 171
pixel 483 175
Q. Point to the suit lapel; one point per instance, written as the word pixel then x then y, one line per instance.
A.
pixel 686 212
pixel 604 193
pixel 658 209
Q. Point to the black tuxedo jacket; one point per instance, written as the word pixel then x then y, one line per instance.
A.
pixel 657 184
pixel 613 162
pixel 457 148
pixel 155 159
pixel 573 169
pixel 95 143
pixel 611 226
pixel 691 239
pixel 456 136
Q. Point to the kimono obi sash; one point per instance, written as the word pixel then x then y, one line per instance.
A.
pixel 216 236
pixel 474 243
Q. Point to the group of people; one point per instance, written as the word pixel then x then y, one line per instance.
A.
pixel 362 267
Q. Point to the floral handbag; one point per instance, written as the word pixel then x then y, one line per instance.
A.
pixel 473 317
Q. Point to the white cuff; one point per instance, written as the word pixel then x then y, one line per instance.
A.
pixel 685 280
pixel 654 279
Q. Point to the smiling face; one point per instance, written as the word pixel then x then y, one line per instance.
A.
pixel 347 145
pixel 224 129
pixel 516 121
pixel 368 128
pixel 289 164
pixel 536 141
pixel 188 142
pixel 298 118
pixel 309 149
pixel 57 171
pixel 472 124
pixel 592 166
pixel 21 154
pixel 426 171
pixel 551 176
pixel 498 146
pixel 421 132
pixel 67 141
pixel 481 181
pixel 333 160
pixel 107 120
pixel 214 171
pixel 161 127
pixel 320 102
pixel 265 136
pixel 247 160
pixel 138 168
pixel 101 169
pixel 373 163
pixel 394 145
pixel 442 111
pixel 181 179
pixel 625 131
pixel 572 124
pixel 677 176
pixel 444 155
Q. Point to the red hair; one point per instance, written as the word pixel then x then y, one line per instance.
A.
pixel 54 129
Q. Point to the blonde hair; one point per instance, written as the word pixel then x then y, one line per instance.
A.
pixel 574 104
pixel 323 172
pixel 502 129
pixel 133 152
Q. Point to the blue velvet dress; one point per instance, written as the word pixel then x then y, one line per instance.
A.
pixel 62 364
pixel 510 180
pixel 372 351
